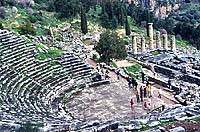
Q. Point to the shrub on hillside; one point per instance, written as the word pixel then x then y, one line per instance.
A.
pixel 1 26
pixel 27 28
pixel 29 11
pixel 35 17
pixel 2 3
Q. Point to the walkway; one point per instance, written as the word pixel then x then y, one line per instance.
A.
pixel 112 101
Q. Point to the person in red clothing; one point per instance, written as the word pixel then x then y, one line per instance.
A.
pixel 145 104
pixel 132 103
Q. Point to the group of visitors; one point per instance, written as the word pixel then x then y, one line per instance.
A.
pixel 132 83
pixel 104 73
pixel 143 92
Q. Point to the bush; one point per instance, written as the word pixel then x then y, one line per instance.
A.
pixel 2 3
pixel 2 12
pixel 12 2
pixel 1 26
pixel 29 11
pixel 35 18
pixel 27 28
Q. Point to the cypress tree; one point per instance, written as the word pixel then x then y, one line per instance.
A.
pixel 83 21
pixel 127 26
pixel 122 15
pixel 148 20
pixel 2 3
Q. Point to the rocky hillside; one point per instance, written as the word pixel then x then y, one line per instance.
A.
pixel 162 8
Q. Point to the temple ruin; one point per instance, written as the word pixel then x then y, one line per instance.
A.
pixel 150 32
pixel 161 42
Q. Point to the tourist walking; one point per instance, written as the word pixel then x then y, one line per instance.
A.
pixel 97 67
pixel 107 72
pixel 169 83
pixel 147 79
pixel 148 88
pixel 132 103
pixel 133 81
pixel 118 74
pixel 143 76
pixel 137 97
pixel 102 71
pixel 145 105
pixel 129 81
pixel 136 84
pixel 145 92
pixel 159 93
pixel 163 107
pixel 141 94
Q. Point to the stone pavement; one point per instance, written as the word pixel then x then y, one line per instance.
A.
pixel 112 101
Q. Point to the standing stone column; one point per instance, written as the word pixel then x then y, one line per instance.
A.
pixel 173 43
pixel 143 48
pixel 158 41
pixel 150 27
pixel 165 42
pixel 134 44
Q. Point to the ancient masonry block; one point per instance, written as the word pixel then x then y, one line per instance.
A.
pixel 158 41
pixel 165 41
pixel 134 44
pixel 173 43
pixel 143 48
pixel 151 43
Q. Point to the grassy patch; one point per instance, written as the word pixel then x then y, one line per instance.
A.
pixel 133 70
pixel 41 56
pixel 156 52
pixel 114 65
pixel 45 52
pixel 182 44
pixel 54 53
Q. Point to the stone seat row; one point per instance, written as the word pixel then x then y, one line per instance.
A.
pixel 30 88
pixel 28 106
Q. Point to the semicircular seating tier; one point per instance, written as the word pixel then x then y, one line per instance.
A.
pixel 34 91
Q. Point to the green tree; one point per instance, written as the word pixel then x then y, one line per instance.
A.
pixel 169 26
pixel 113 23
pixel 108 23
pixel 110 46
pixel 147 19
pixel 27 28
pixel 121 19
pixel 1 26
pixel 67 8
pixel 109 9
pixel 104 20
pixel 127 27
pixel 185 30
pixel 84 28
pixel 197 37
pixel 2 3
